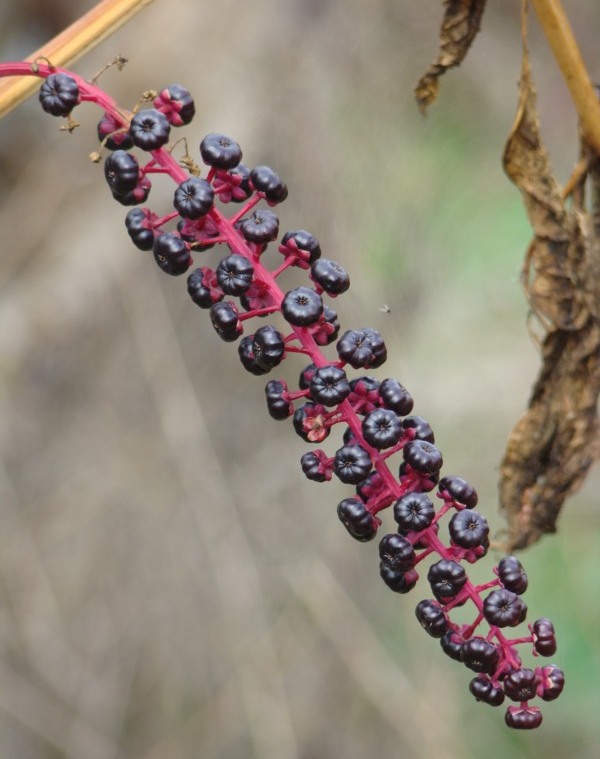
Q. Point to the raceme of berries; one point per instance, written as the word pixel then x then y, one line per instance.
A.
pixel 388 455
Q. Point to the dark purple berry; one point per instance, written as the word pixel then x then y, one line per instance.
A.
pixel 202 287
pixel 503 608
pixel 544 639
pixel 452 644
pixel 364 395
pixel 265 180
pixel 134 197
pixel 327 329
pixel 224 318
pixel 420 428
pixel 330 277
pixel 362 348
pixel 113 135
pixel 193 198
pixel 397 553
pixel 523 718
pixel 459 490
pixel 220 151
pixel 279 407
pixel 432 618
pixel 260 227
pixel 512 575
pixel 122 171
pixel 480 655
pixel 302 307
pixel 306 376
pixel 468 529
pixel 59 94
pixel 447 579
pixel 423 456
pixel 234 274
pixel 315 466
pixel 381 428
pixel 329 385
pixel 302 245
pixel 171 254
pixel 149 129
pixel 268 347
pixel 484 690
pixel 352 464
pixel 521 684
pixel 356 519
pixel 139 226
pixel 176 103
pixel 310 422
pixel 414 512
pixel 395 397
pixel 248 359
pixel 399 582
pixel 551 681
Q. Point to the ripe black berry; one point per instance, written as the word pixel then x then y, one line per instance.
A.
pixel 521 684
pixel 279 408
pixel 396 552
pixel 432 618
pixel 265 180
pixel 249 362
pixel 268 347
pixel 220 151
pixel 149 129
pixel 364 395
pixel 459 490
pixel 362 348
pixel 544 639
pixel 302 307
pixel 382 428
pixel 551 681
pixel 468 529
pixel 523 718
pixel 224 318
pixel 356 519
pixel 260 227
pixel 234 274
pixel 314 465
pixel 134 197
pixel 484 690
pixel 139 227
pixel 512 575
pixel 171 254
pixel 122 171
pixel 327 329
pixel 193 198
pixel 480 655
pixel 420 428
pixel 414 512
pixel 330 276
pixel 423 456
pixel 301 244
pixel 352 464
pixel 176 103
pixel 395 397
pixel 399 582
pixel 113 135
pixel 202 287
pixel 329 385
pixel 503 608
pixel 233 186
pixel 446 578
pixel 59 94
pixel 452 644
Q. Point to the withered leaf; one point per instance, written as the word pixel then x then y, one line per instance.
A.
pixel 553 445
pixel 462 19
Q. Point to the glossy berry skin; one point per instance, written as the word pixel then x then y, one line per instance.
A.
pixel 452 644
pixel 279 408
pixel 59 94
pixel 176 104
pixel 364 394
pixel 356 519
pixel 551 681
pixel 220 151
pixel 503 608
pixel 521 684
pixel 330 276
pixel 202 287
pixel 459 490
pixel 512 575
pixel 381 428
pixel 224 318
pixel 149 129
pixel 234 274
pixel 268 347
pixel 260 227
pixel 395 396
pixel 447 578
pixel 423 456
pixel 468 529
pixel 139 227
pixel 265 180
pixel 122 171
pixel 362 348
pixel 248 359
pixel 432 618
pixel 480 655
pixel 352 464
pixel 113 135
pixel 302 245
pixel 523 718
pixel 193 198
pixel 309 422
pixel 329 385
pixel 314 466
pixel 397 553
pixel 302 307
pixel 419 428
pixel 233 186
pixel 171 254
pixel 399 582
pixel 414 512
pixel 484 690
pixel 134 197
pixel 544 639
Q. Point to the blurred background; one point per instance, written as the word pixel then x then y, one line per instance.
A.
pixel 171 586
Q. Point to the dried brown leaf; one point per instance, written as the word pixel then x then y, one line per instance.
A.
pixel 462 19
pixel 553 445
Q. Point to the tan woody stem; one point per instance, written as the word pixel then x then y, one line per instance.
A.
pixel 76 40
pixel 559 34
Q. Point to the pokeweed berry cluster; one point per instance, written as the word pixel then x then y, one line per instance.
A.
pixel 375 415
